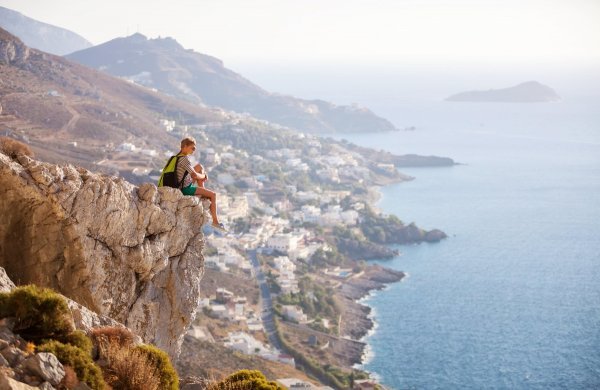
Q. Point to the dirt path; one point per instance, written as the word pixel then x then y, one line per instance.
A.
pixel 69 126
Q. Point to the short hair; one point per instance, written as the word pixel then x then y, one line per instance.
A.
pixel 187 141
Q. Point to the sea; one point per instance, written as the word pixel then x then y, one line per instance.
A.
pixel 511 299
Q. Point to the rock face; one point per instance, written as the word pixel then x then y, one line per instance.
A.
pixel 12 50
pixel 132 254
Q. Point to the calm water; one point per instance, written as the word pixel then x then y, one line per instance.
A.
pixel 512 298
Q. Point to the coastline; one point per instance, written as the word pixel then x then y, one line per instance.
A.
pixel 360 297
pixel 359 322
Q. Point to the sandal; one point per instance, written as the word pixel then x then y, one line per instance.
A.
pixel 219 226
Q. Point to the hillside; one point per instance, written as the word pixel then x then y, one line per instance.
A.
pixel 71 113
pixel 530 91
pixel 164 64
pixel 41 36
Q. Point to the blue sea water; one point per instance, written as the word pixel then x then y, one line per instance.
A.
pixel 511 300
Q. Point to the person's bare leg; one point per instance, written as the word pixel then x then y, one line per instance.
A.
pixel 212 196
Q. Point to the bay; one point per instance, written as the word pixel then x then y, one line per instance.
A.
pixel 511 299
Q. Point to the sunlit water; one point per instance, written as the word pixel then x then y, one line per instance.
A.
pixel 512 298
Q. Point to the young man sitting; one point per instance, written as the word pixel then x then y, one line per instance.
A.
pixel 188 147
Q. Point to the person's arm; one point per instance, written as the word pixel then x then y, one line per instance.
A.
pixel 188 167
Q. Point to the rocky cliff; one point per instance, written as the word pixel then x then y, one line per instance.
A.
pixel 12 50
pixel 132 254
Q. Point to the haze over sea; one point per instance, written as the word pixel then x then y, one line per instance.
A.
pixel 512 298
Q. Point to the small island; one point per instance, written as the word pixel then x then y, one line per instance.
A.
pixel 531 91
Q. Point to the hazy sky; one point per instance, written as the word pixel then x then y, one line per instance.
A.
pixel 359 31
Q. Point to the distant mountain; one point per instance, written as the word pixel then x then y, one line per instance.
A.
pixel 51 103
pixel 39 35
pixel 531 91
pixel 164 64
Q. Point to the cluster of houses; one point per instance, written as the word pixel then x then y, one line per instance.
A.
pixel 286 278
pixel 226 306
pixel 247 344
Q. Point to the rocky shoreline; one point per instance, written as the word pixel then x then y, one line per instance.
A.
pixel 356 322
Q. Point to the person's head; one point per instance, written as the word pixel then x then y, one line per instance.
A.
pixel 188 145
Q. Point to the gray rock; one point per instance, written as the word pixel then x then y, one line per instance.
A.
pixel 193 386
pixel 46 386
pixel 82 386
pixel 13 355
pixel 131 254
pixel 3 361
pixel 7 324
pixel 435 235
pixel 8 383
pixel 5 283
pixel 3 343
pixel 46 366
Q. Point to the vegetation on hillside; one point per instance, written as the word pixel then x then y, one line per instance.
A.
pixel 107 358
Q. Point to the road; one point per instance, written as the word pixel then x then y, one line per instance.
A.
pixel 266 303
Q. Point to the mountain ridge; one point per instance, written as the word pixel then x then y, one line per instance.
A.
pixel 42 36
pixel 164 64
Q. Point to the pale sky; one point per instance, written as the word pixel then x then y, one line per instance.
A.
pixel 334 31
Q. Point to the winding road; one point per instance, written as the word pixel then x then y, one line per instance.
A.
pixel 266 303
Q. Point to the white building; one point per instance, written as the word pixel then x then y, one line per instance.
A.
pixel 283 242
pixel 211 157
pixel 149 152
pixel 219 311
pixel 246 344
pixel 168 125
pixel 127 147
pixel 294 313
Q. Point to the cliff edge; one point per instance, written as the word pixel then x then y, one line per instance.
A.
pixel 132 254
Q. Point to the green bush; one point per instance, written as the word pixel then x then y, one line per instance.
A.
pixel 168 376
pixel 246 380
pixel 80 360
pixel 80 340
pixel 40 313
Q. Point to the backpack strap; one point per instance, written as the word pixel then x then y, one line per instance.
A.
pixel 185 173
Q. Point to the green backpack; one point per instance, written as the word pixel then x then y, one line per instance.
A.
pixel 168 177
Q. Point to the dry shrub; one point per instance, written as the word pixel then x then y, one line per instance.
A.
pixel 128 368
pixel 29 348
pixel 70 380
pixel 118 335
pixel 13 148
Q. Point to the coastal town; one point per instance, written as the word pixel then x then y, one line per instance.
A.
pixel 283 283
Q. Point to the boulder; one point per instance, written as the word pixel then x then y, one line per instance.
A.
pixel 5 283
pixel 435 235
pixel 133 255
pixel 46 366
pixel 8 383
